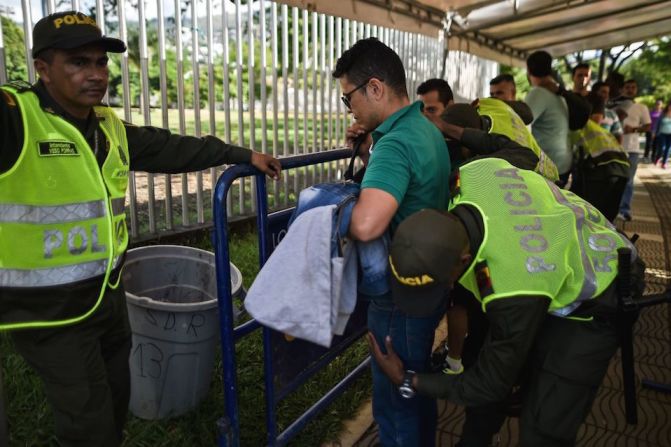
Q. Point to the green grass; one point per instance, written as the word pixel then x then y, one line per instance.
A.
pixel 30 420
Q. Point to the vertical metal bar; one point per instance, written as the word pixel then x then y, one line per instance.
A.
pixel 163 79
pixel 144 79
pixel 306 95
pixel 51 6
pixel 3 60
pixel 181 104
pixel 285 94
pixel 4 433
pixel 315 106
pixel 338 52
pixel 252 95
pixel 100 13
pixel 367 31
pixel 322 92
pixel 229 429
pixel 241 124
pixel 195 75
pixel 263 61
pixel 28 38
pixel 227 90
pixel 347 31
pixel 211 97
pixel 295 50
pixel 75 5
pixel 276 130
pixel 125 83
pixel 329 83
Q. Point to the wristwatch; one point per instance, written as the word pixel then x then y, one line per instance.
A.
pixel 406 389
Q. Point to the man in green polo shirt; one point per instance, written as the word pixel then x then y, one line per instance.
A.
pixel 408 170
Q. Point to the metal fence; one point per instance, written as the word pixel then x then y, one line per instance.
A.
pixel 257 75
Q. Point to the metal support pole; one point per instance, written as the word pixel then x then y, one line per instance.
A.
pixel 4 432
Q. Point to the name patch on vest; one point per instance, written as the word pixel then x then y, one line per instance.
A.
pixel 55 148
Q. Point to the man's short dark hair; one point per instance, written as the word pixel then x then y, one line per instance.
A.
pixel 441 86
pixel 598 84
pixel 579 66
pixel 502 78
pixel 616 81
pixel 539 64
pixel 370 58
pixel 630 81
pixel 597 103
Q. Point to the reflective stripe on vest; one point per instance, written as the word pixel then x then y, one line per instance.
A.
pixel 58 214
pixel 62 216
pixel 530 245
pixel 598 143
pixel 505 121
pixel 54 276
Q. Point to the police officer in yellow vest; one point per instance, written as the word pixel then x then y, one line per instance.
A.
pixel 64 163
pixel 541 264
pixel 488 127
pixel 601 163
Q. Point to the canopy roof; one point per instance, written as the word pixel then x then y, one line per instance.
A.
pixel 508 30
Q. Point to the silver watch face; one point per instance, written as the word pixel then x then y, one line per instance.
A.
pixel 406 391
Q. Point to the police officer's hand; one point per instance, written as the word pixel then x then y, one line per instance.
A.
pixel 268 165
pixel 390 363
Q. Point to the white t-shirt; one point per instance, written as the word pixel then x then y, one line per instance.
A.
pixel 637 116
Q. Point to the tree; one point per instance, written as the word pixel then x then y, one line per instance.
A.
pixel 15 55
pixel 651 69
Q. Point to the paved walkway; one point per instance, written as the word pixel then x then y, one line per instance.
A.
pixel 606 425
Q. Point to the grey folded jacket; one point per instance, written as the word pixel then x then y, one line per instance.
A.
pixel 301 290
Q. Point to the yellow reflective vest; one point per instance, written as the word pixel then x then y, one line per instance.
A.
pixel 599 146
pixel 539 240
pixel 62 217
pixel 505 121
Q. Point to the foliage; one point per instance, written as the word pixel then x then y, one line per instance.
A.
pixel 15 56
pixel 651 69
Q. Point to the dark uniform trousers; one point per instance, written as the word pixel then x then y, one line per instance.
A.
pixel 85 372
pixel 564 371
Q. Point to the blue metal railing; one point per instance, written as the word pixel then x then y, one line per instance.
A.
pixel 229 425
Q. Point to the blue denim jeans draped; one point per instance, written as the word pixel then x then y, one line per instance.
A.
pixel 373 266
pixel 403 422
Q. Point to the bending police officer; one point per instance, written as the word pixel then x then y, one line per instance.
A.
pixel 541 263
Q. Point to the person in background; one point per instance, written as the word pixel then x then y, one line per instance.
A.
pixel 581 75
pixel 64 164
pixel 408 170
pixel 601 167
pixel 610 120
pixel 636 122
pixel 503 87
pixel 650 153
pixel 436 95
pixel 551 115
pixel 663 137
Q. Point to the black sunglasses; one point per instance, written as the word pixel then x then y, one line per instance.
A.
pixel 345 96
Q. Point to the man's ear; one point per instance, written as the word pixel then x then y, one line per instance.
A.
pixel 377 88
pixel 466 259
pixel 42 69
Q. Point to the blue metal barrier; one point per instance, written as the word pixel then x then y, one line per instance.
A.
pixel 270 228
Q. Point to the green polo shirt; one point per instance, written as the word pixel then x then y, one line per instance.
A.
pixel 410 161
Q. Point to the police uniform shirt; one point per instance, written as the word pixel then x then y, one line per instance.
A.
pixel 152 149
